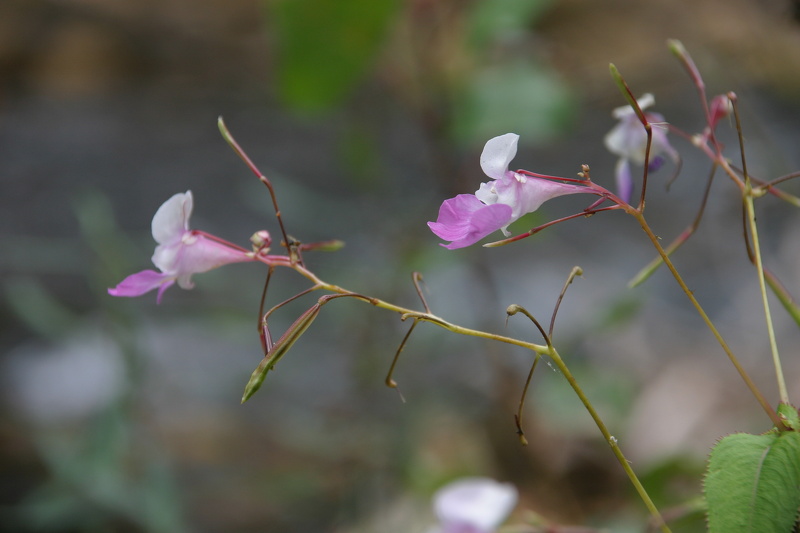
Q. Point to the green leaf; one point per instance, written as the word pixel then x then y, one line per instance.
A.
pixel 753 483
pixel 790 416
pixel 324 47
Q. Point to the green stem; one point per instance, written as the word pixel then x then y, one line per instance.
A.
pixel 610 439
pixel 748 381
pixel 776 359
pixel 751 219
pixel 406 313
pixel 537 348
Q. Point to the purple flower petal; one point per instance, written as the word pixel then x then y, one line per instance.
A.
pixel 141 283
pixel 624 180
pixel 655 163
pixel 465 220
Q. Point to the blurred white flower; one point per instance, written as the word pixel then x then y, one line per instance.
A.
pixel 69 381
pixel 473 505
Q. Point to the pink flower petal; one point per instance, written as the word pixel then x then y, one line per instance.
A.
pixel 465 220
pixel 526 194
pixel 141 283
pixel 199 254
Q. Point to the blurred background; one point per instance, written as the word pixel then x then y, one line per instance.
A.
pixel 119 415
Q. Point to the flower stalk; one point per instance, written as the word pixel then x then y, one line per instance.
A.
pixel 751 220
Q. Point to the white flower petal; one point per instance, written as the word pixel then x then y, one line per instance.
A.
pixel 487 193
pixel 497 154
pixel 645 101
pixel 166 257
pixel 172 218
pixel 479 502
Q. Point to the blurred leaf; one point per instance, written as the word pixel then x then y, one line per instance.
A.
pixel 359 151
pixel 324 47
pixel 515 97
pixel 101 476
pixel 753 483
pixel 619 312
pixel 35 306
pixel 114 250
pixel 161 508
pixel 493 19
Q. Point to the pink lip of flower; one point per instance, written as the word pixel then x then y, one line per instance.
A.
pixel 628 140
pixel 473 505
pixel 466 218
pixel 180 253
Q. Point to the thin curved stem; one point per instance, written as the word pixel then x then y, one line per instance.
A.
pixel 748 381
pixel 538 349
pixel 406 313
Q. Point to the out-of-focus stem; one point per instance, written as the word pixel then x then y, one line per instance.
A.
pixel 776 359
pixel 748 381
pixel 648 270
pixel 550 351
pixel 610 439
pixel 751 220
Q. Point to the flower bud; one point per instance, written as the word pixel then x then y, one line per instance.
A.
pixel 261 241
pixel 720 108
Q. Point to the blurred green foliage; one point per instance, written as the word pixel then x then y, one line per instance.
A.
pixel 324 48
pixel 490 20
pixel 492 80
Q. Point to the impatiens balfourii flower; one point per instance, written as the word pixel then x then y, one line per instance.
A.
pixel 628 140
pixel 473 505
pixel 180 253
pixel 467 218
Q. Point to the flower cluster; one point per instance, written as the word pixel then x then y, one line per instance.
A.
pixel 467 218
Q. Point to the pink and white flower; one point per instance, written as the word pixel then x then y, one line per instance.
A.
pixel 180 253
pixel 467 218
pixel 473 505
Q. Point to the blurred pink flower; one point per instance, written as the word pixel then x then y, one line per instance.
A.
pixel 180 253
pixel 628 140
pixel 473 505
pixel 466 218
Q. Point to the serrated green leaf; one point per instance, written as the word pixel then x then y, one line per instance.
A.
pixel 753 483
pixel 790 416
pixel 324 47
